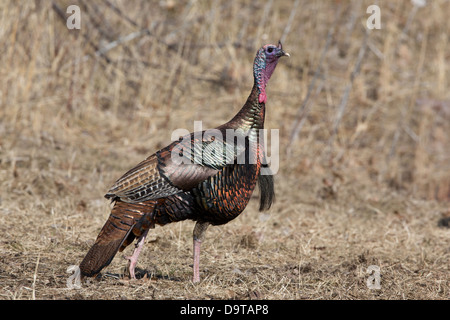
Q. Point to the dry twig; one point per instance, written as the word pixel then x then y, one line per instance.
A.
pixel 305 106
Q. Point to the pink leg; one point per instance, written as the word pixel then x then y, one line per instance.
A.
pixel 199 233
pixel 197 244
pixel 134 257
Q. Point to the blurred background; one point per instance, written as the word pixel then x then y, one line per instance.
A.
pixel 351 103
pixel 364 115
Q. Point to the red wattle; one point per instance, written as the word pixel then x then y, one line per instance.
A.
pixel 262 98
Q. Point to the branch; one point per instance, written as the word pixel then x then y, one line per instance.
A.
pixel 287 29
pixel 62 15
pixel 345 96
pixel 304 109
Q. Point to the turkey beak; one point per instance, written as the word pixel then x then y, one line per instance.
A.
pixel 282 53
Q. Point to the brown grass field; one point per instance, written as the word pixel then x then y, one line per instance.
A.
pixel 364 129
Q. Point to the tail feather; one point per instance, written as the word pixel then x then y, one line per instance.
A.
pixel 115 235
pixel 267 191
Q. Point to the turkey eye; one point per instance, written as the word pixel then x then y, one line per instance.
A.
pixel 270 50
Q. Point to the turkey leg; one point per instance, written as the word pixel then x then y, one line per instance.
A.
pixel 134 257
pixel 199 234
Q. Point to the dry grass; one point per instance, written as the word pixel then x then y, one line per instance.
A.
pixel 370 192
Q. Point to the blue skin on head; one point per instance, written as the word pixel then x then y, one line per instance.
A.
pixel 265 62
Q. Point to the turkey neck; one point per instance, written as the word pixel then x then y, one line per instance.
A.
pixel 251 116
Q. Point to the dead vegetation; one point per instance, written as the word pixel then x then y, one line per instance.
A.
pixel 364 119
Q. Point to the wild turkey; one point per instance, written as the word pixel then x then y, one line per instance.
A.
pixel 173 184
